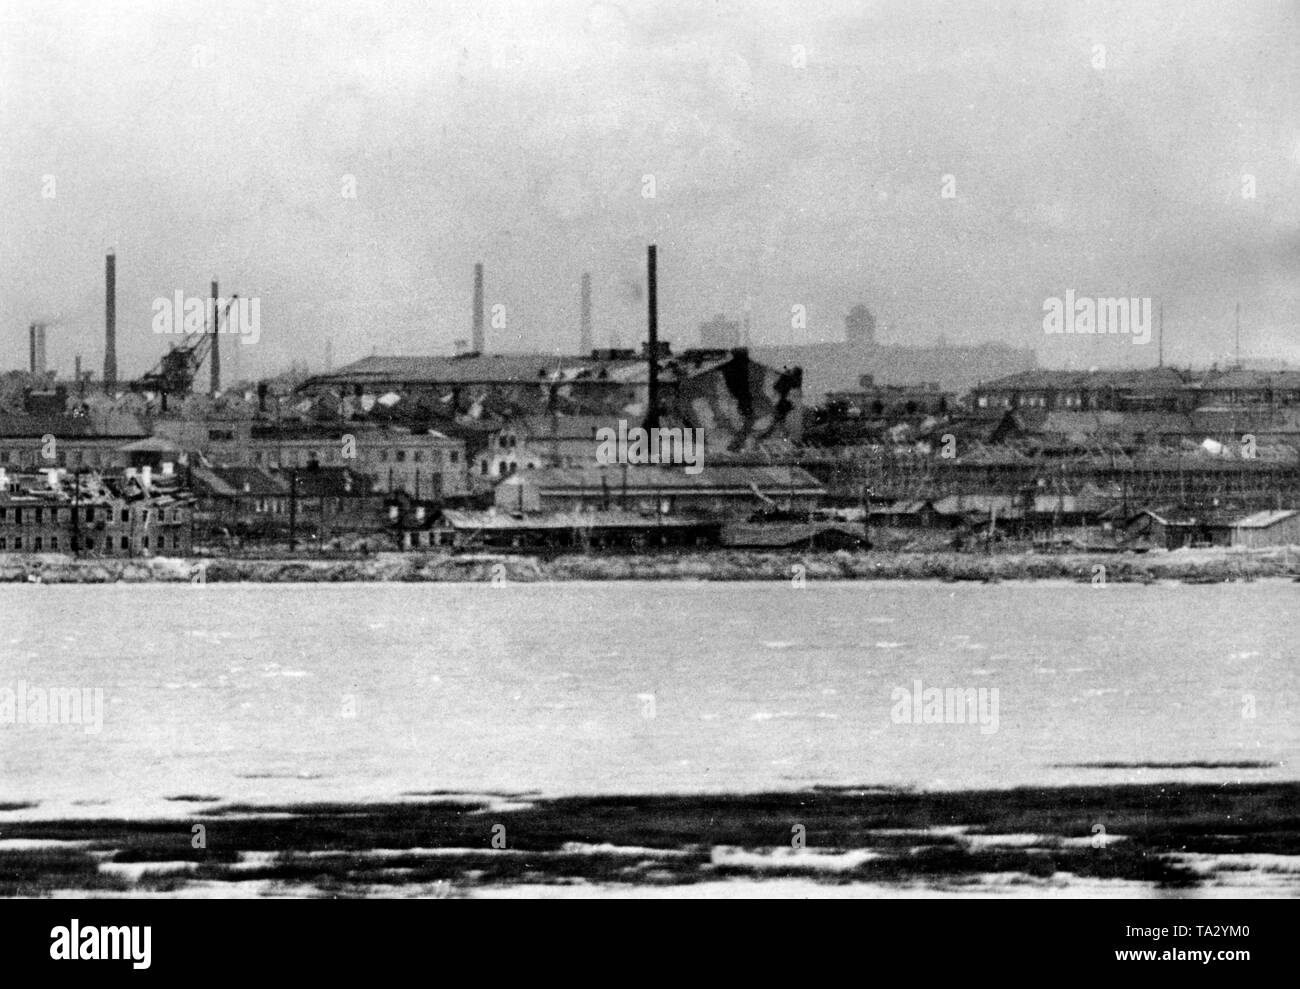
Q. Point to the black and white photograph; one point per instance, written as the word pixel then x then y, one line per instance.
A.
pixel 612 449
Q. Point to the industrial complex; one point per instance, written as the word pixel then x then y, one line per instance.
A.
pixel 480 449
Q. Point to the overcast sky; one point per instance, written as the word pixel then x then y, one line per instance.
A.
pixel 798 153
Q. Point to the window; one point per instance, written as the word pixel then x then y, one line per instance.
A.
pixel 417 456
pixel 38 544
pixel 401 456
pixel 3 543
pixel 144 542
pixel 126 543
pixel 126 517
pixel 40 516
pixel 4 512
pixel 18 542
pixel 455 456
pixel 18 518
pixel 54 542
pixel 90 543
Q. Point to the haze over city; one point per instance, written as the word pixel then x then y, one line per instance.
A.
pixel 797 156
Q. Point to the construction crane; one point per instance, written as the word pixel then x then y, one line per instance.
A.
pixel 175 373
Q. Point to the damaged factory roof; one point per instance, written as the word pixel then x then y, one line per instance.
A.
pixel 516 369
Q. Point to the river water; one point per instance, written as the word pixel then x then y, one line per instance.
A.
pixel 307 692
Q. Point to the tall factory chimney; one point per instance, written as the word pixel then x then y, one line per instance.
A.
pixel 585 344
pixel 38 333
pixel 652 345
pixel 478 308
pixel 110 321
pixel 31 348
pixel 215 357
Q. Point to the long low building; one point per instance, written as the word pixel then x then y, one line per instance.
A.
pixel 569 530
pixel 38 441
pixel 722 491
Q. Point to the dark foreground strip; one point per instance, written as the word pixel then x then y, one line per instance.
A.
pixel 302 941
pixel 1168 839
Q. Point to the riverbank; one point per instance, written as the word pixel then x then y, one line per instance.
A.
pixel 1188 566
pixel 1147 840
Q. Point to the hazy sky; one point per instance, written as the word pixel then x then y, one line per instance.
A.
pixel 798 152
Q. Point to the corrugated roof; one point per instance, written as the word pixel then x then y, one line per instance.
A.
pixel 1092 423
pixel 769 480
pixel 982 503
pixel 1262 520
pixel 461 519
pixel 234 481
pixel 1245 379
pixel 1125 379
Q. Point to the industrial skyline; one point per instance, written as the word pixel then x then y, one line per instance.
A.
pixel 348 166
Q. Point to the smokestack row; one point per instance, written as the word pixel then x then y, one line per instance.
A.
pixel 110 321
pixel 585 343
pixel 478 309
pixel 36 348
pixel 215 357
pixel 652 344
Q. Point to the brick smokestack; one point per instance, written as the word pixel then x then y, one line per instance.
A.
pixel 478 309
pixel 38 348
pixel 652 345
pixel 215 358
pixel 110 320
pixel 31 348
pixel 585 343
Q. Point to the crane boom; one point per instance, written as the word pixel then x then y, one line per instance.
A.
pixel 174 374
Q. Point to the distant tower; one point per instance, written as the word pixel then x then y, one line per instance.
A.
pixel 585 344
pixel 860 327
pixel 214 365
pixel 478 308
pixel 110 321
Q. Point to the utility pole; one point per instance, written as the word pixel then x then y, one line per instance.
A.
pixel 866 512
pixel 76 508
pixel 293 509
